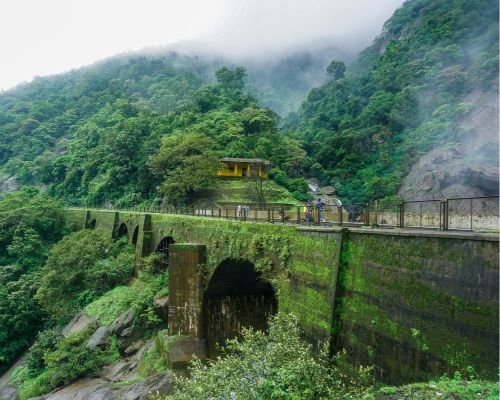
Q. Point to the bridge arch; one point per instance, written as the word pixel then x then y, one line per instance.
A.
pixel 236 296
pixel 163 250
pixel 91 224
pixel 122 231
pixel 135 235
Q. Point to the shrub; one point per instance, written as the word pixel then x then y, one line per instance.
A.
pixel 45 342
pixel 65 362
pixel 279 365
pixel 80 267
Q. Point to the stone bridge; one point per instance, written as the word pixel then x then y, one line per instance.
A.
pixel 412 303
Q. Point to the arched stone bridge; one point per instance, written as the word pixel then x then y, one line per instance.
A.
pixel 404 301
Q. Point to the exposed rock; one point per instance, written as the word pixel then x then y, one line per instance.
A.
pixel 466 169
pixel 10 185
pixel 161 308
pixel 79 323
pixel 126 369
pixel 9 392
pixel 128 337
pixel 99 389
pixel 109 385
pixel 133 348
pixel 100 338
pixel 124 321
pixel 4 379
pixel 180 350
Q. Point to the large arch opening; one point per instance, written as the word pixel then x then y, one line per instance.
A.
pixel 236 297
pixel 163 251
pixel 135 235
pixel 122 232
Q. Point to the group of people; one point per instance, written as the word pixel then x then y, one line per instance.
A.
pixel 242 211
pixel 310 206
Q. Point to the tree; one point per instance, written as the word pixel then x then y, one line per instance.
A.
pixel 186 164
pixel 79 268
pixel 336 70
pixel 231 80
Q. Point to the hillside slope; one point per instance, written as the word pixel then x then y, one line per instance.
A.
pixel 418 112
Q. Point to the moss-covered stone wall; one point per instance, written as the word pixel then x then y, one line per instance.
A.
pixel 301 265
pixel 413 304
pixel 419 305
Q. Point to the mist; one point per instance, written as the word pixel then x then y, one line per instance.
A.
pixel 259 28
pixel 54 36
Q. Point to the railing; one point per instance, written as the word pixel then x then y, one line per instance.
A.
pixel 469 214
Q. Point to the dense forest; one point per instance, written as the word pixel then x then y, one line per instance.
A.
pixel 406 94
pixel 94 135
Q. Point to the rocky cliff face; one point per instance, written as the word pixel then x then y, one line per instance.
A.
pixel 467 168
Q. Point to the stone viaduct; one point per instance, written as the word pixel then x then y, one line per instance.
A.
pixel 411 303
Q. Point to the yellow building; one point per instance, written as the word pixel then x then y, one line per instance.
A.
pixel 240 167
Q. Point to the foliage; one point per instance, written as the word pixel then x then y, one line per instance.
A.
pixel 79 268
pixel 186 164
pixel 279 365
pixel 336 70
pixel 456 387
pixel 30 223
pixel 151 363
pixel 139 296
pixel 405 95
pixel 45 342
pixel 68 360
pixel 104 136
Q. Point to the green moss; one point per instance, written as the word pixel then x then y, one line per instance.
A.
pixel 108 307
pixel 312 308
pixel 152 362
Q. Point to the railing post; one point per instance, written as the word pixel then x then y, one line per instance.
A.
pixel 471 224
pixel 402 215
pixel 268 215
pixel 367 214
pixel 446 214
pixel 298 215
pixel 341 212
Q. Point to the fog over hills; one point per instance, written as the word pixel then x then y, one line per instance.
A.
pixel 55 35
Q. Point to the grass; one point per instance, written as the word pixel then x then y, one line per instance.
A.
pixel 456 388
pixel 243 191
pixel 113 303
pixel 108 307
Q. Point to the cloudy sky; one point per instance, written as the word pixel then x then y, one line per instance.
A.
pixel 50 36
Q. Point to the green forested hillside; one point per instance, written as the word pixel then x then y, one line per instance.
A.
pixel 94 135
pixel 407 93
pixel 104 133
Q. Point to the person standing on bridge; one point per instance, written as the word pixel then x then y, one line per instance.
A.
pixel 320 204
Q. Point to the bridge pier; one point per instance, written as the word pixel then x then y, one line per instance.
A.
pixel 144 241
pixel 186 324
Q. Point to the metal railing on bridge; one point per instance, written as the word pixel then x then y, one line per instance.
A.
pixel 465 214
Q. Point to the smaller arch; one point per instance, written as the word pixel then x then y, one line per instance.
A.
pixel 135 235
pixel 122 231
pixel 91 224
pixel 163 250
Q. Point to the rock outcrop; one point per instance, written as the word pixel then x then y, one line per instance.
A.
pixel 467 168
